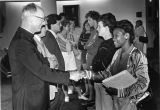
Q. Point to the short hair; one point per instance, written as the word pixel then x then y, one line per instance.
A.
pixel 108 19
pixel 64 23
pixel 52 19
pixel 93 14
pixel 127 26
pixel 29 9
pixel 139 22
pixel 61 15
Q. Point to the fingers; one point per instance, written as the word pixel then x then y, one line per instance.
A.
pixel 75 75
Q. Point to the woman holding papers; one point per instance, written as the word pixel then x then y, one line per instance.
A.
pixel 127 58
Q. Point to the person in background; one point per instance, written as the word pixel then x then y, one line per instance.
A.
pixel 53 25
pixel 103 58
pixel 69 57
pixel 53 62
pixel 128 58
pixel 94 42
pixel 50 40
pixel 62 16
pixel 86 32
pixel 31 73
pixel 73 36
pixel 92 45
pixel 140 31
pixel 66 48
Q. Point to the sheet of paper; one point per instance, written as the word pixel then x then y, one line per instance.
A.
pixel 121 80
pixel 52 90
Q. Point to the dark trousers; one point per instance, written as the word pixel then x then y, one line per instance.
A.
pixel 58 101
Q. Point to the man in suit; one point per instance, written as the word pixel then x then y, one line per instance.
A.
pixel 31 74
pixel 54 24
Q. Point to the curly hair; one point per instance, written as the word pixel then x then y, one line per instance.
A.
pixel 64 23
pixel 93 14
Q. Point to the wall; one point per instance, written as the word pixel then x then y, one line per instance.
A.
pixel 13 15
pixel 122 9
pixel 49 6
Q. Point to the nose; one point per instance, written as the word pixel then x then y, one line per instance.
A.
pixel 114 38
pixel 98 28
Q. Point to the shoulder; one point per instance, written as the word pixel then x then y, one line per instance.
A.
pixel 138 56
pixel 108 43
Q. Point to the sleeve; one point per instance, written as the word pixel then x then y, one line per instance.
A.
pixel 52 59
pixel 103 57
pixel 139 69
pixel 90 44
pixel 90 41
pixel 101 75
pixel 80 43
pixel 26 54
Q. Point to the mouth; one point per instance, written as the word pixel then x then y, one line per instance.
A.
pixel 115 43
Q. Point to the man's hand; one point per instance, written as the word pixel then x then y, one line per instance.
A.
pixel 75 75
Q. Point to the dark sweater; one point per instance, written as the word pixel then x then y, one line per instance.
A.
pixel 104 55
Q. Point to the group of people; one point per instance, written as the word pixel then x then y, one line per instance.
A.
pixel 46 59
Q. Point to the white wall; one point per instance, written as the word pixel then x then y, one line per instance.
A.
pixel 49 6
pixel 13 15
pixel 122 9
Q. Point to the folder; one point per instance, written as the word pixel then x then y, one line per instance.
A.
pixel 119 81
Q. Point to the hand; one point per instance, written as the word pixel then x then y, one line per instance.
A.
pixel 87 74
pixel 75 75
pixel 111 91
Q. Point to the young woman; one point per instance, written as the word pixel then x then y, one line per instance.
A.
pixel 128 58
pixel 86 32
pixel 66 48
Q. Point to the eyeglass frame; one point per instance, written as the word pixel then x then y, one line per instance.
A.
pixel 44 19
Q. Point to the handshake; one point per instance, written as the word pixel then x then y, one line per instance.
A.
pixel 77 75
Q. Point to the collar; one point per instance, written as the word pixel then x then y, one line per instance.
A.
pixel 28 34
pixel 54 34
pixel 37 37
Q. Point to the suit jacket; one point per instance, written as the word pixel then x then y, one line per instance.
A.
pixel 31 73
pixel 53 47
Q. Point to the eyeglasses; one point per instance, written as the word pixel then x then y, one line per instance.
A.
pixel 42 18
pixel 43 25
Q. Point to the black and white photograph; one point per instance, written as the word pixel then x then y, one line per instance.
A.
pixel 79 55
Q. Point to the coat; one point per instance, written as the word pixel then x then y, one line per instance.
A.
pixel 53 47
pixel 31 73
pixel 137 66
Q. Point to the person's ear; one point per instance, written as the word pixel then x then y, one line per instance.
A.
pixel 126 36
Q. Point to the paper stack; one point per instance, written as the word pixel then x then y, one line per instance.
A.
pixel 121 80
